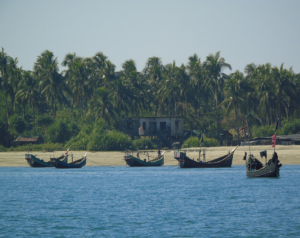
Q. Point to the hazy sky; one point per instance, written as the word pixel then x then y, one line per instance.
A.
pixel 252 31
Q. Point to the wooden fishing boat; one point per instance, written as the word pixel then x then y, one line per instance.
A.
pixel 73 165
pixel 39 163
pixel 185 162
pixel 255 169
pixel 138 162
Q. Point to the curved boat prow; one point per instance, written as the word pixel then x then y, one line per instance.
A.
pixel 232 151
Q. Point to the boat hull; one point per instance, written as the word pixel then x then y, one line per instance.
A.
pixel 222 162
pixel 272 169
pixel 63 165
pixel 135 162
pixel 36 162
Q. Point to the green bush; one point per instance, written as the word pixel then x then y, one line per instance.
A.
pixel 2 148
pixel 109 141
pixel 191 142
pixel 39 147
pixel 195 142
pixel 261 131
pixel 290 128
pixel 141 144
pixel 44 120
pixel 79 142
pixel 58 132
pixel 210 142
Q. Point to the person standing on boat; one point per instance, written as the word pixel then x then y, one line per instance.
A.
pixel 158 152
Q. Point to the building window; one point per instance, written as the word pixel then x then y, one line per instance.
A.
pixel 163 126
pixel 176 125
pixel 129 125
pixel 144 126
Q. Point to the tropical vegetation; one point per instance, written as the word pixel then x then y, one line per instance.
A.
pixel 80 106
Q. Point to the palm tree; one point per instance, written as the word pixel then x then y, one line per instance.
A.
pixel 78 78
pixel 196 73
pixel 153 72
pixel 4 82
pixel 170 90
pixel 132 91
pixel 103 105
pixel 234 96
pixel 184 85
pixel 28 92
pixel 52 83
pixel 284 88
pixel 215 65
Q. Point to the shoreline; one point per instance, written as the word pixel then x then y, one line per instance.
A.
pixel 288 154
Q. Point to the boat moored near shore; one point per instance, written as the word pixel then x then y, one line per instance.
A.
pixel 185 162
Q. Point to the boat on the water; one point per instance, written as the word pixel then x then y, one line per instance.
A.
pixel 185 162
pixel 133 161
pixel 73 165
pixel 255 169
pixel 39 163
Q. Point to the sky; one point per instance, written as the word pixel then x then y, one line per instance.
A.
pixel 256 31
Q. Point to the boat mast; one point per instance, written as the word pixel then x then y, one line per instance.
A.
pixel 248 135
pixel 275 134
pixel 249 145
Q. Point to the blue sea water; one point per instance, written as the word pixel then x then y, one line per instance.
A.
pixel 148 202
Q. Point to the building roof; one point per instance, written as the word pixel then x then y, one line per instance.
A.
pixel 295 137
pixel 27 139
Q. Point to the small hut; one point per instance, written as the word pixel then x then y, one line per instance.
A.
pixel 25 140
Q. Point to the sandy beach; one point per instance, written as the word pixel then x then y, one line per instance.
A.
pixel 286 154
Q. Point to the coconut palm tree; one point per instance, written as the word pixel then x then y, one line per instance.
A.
pixel 215 65
pixel 4 81
pixel 78 78
pixel 197 75
pixel 234 96
pixel 183 82
pixel 102 105
pixel 153 72
pixel 29 92
pixel 170 90
pixel 284 88
pixel 52 83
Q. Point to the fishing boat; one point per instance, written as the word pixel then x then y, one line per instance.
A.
pixel 39 163
pixel 185 162
pixel 73 165
pixel 255 169
pixel 133 161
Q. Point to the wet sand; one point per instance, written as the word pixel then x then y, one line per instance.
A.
pixel 286 154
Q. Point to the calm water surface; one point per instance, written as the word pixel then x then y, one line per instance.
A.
pixel 148 202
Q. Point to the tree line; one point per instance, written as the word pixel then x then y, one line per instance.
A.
pixel 202 92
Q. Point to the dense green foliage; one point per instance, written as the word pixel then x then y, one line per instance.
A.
pixel 65 106
pixel 144 143
pixel 195 142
